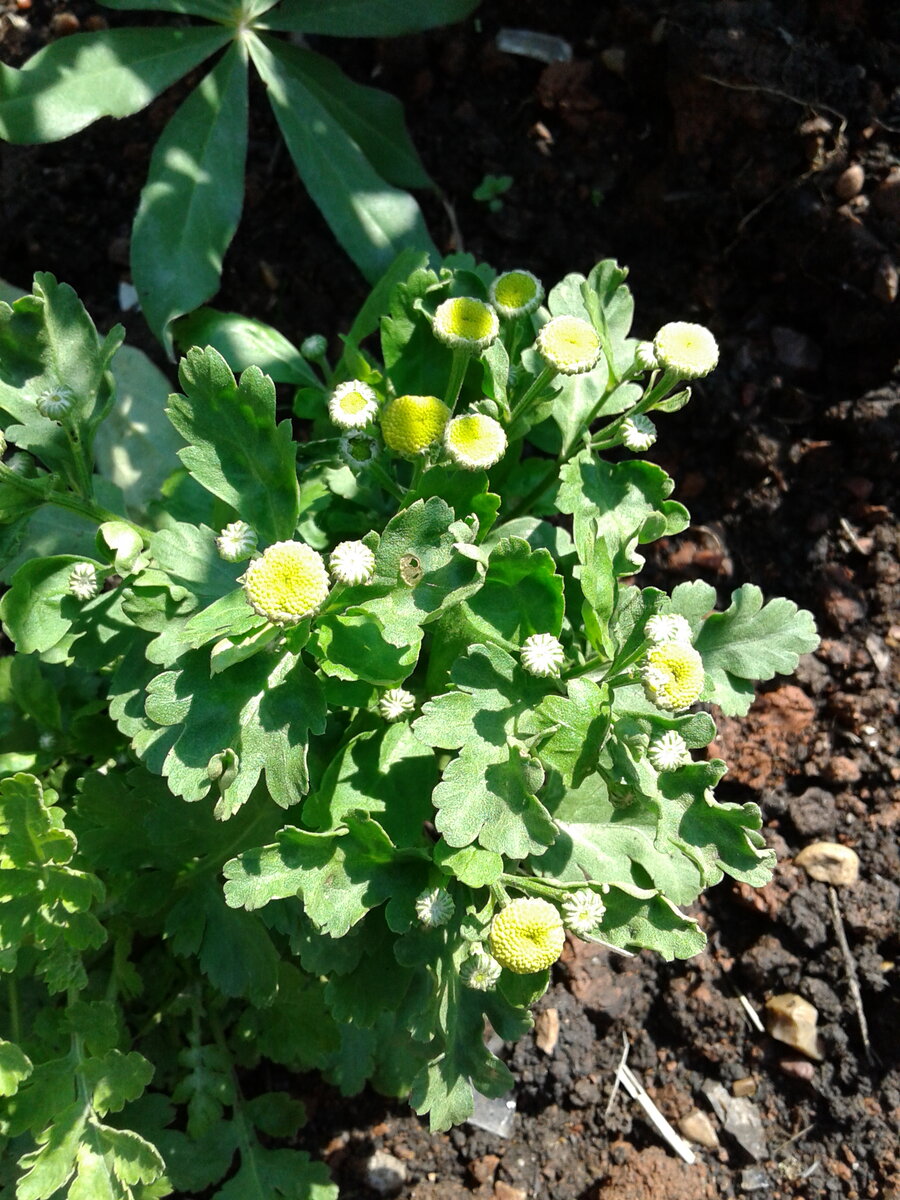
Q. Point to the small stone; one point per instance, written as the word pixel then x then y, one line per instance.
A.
pixel 830 862
pixel 482 1169
pixel 744 1087
pixel 505 1191
pixel 886 196
pixel 795 349
pixel 546 1030
pixel 792 1020
pixel 698 1128
pixel 813 812
pixel 850 182
pixel 841 769
pixel 384 1173
pixel 886 280
pixel 754 1179
pixel 745 1125
pixel 798 1068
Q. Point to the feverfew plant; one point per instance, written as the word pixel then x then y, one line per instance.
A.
pixel 320 743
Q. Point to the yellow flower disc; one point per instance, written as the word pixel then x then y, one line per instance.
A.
pixel 465 322
pixel 410 425
pixel 287 583
pixel 527 936
pixel 569 344
pixel 474 440
pixel 689 350
pixel 516 293
pixel 673 675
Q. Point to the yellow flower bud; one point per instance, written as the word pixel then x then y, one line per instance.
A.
pixel 673 675
pixel 287 583
pixel 411 425
pixel 687 349
pixel 527 936
pixel 465 323
pixel 515 293
pixel 474 440
pixel 569 344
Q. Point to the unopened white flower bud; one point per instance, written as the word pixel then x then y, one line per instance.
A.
pixel 668 627
pixel 645 356
pixel 314 347
pixel 434 907
pixel 83 583
pixel 352 562
pixel 582 911
pixel 542 654
pixel 638 432
pixel 396 703
pixel 480 972
pixel 669 752
pixel 55 402
pixel 687 349
pixel 236 542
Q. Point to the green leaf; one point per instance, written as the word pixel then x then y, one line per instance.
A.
pixel 577 725
pixel 339 876
pixel 376 304
pixel 470 865
pixel 521 594
pixel 52 1165
pixel 115 1079
pixel 110 73
pixel 245 342
pixel 235 450
pixel 135 445
pixel 366 18
pixel 488 793
pixel 191 203
pixel 263 710
pixel 47 340
pixel 610 307
pixel 266 1174
pixel 386 773
pixel 752 641
pixel 38 610
pixel 372 220
pixel 214 10
pixel 15 1067
pixel 627 501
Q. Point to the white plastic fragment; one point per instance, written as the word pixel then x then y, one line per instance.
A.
pixel 544 47
pixel 494 1116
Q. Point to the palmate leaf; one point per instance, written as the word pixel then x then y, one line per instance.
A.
pixel 262 710
pixel 371 219
pixel 577 725
pixel 235 449
pixel 110 73
pixel 488 793
pixel 627 500
pixel 520 594
pixel 366 18
pixel 192 201
pixel 338 875
pixel 265 1174
pixel 245 342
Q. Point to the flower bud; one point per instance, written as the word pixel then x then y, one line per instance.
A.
pixel 569 344
pixel 516 293
pixel 480 972
pixel 396 703
pixel 464 323
pixel 673 675
pixel 434 907
pixel 668 627
pixel 353 404
pixel 236 542
pixel 645 356
pixel 638 432
pixel 357 449
pixel 287 583
pixel 411 425
pixel 83 582
pixel 687 349
pixel 352 562
pixel 314 347
pixel 542 654
pixel 474 441
pixel 583 911
pixel 55 402
pixel 669 752
pixel 527 936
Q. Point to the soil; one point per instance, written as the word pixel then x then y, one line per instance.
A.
pixel 741 158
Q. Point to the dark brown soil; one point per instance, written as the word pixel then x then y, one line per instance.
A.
pixel 707 146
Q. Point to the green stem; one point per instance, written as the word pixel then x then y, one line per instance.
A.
pixel 461 356
pixel 82 481
pixel 378 472
pixel 15 1020
pixel 608 436
pixel 537 386
pixel 83 506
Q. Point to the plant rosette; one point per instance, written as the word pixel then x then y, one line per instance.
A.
pixel 317 747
